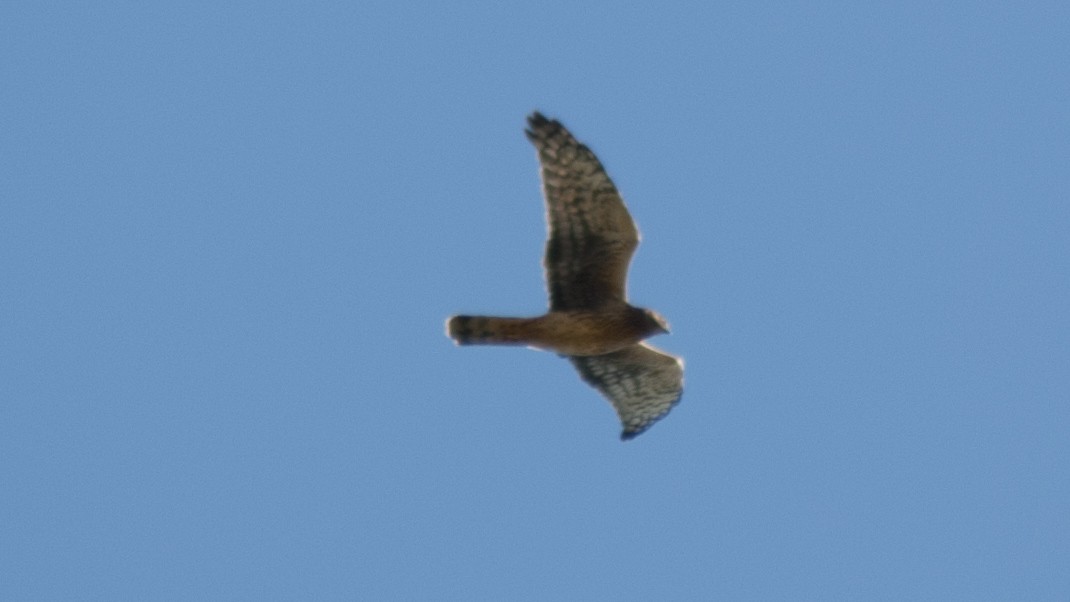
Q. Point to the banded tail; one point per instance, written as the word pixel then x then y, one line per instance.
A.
pixel 485 330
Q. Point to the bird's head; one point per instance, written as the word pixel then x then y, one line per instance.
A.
pixel 655 323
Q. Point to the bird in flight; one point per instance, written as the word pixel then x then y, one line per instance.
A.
pixel 591 241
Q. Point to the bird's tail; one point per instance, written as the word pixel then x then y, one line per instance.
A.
pixel 485 330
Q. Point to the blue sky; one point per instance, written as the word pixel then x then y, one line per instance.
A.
pixel 230 234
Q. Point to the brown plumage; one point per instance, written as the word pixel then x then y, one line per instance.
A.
pixel 590 244
pixel 566 332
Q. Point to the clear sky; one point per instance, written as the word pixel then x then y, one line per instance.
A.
pixel 230 234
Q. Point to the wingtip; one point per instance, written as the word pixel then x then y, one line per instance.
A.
pixel 629 434
pixel 539 126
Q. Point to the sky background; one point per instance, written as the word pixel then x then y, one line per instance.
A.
pixel 230 234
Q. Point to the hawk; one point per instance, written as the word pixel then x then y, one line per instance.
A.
pixel 591 241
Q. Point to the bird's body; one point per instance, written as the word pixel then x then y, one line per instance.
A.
pixel 591 241
pixel 576 332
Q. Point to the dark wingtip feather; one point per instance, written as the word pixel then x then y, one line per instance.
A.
pixel 627 435
pixel 539 126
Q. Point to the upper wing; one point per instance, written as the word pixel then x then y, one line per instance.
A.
pixel 642 383
pixel 592 237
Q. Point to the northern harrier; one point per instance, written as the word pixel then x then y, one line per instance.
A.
pixel 590 243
